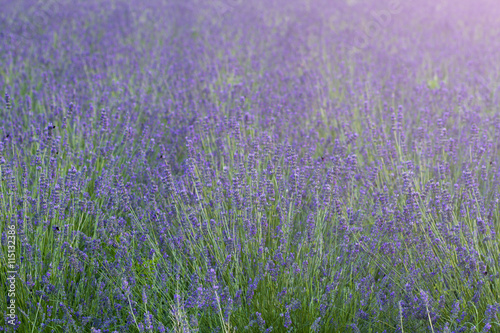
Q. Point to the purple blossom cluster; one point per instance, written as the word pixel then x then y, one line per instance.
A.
pixel 170 166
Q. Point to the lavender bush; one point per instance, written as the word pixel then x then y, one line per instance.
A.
pixel 250 166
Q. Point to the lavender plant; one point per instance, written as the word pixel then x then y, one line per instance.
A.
pixel 165 169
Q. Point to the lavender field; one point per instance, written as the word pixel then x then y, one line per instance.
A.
pixel 250 166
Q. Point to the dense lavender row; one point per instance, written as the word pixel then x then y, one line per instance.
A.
pixel 251 166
